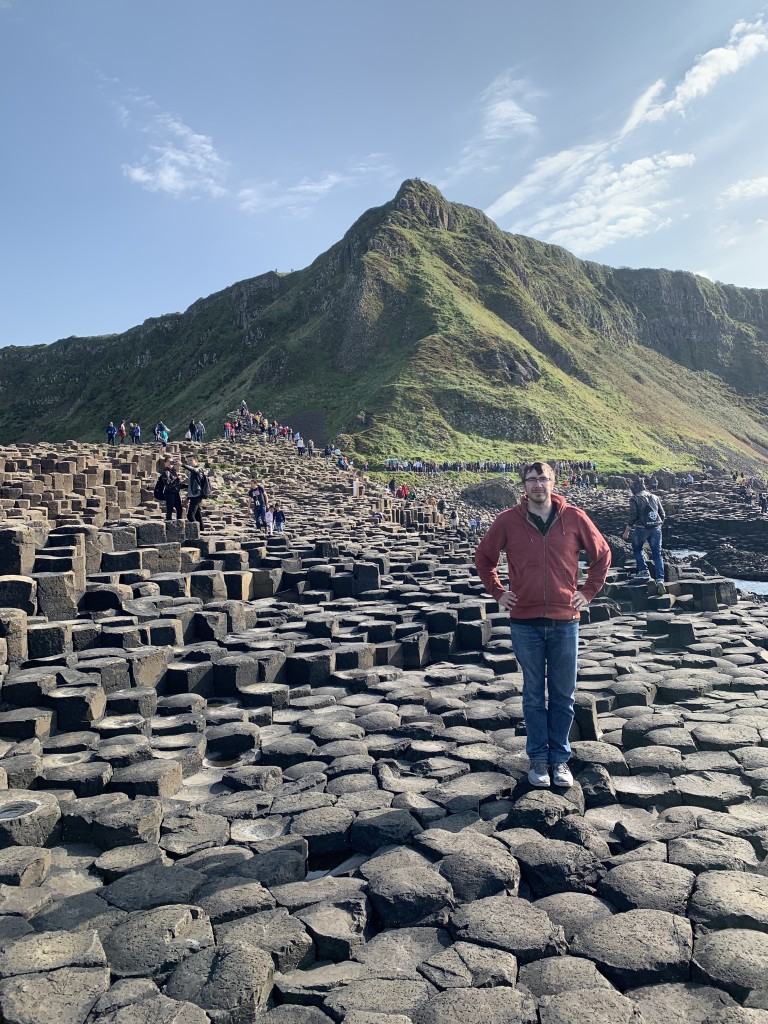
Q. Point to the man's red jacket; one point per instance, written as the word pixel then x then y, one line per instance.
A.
pixel 543 568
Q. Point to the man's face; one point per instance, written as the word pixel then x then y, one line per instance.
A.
pixel 538 487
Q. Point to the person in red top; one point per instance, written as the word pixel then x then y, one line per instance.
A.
pixel 542 538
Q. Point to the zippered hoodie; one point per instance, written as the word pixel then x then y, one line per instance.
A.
pixel 543 568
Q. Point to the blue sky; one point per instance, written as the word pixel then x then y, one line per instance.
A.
pixel 156 151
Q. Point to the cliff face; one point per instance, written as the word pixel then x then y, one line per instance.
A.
pixel 427 326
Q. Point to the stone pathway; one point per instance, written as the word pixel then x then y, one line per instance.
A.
pixel 283 777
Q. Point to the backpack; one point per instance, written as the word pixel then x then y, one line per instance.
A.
pixel 159 491
pixel 650 513
pixel 205 486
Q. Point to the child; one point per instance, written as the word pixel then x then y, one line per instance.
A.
pixel 269 516
pixel 278 518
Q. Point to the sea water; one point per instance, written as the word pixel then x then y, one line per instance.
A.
pixel 750 586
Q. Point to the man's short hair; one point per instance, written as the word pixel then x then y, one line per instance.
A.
pixel 637 486
pixel 542 469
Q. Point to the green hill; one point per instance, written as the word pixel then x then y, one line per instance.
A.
pixel 427 330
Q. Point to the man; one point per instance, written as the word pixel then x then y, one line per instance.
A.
pixel 172 484
pixel 195 486
pixel 199 430
pixel 542 537
pixel 111 433
pixel 646 515
pixel 259 500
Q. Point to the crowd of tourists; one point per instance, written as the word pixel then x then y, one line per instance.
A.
pixel 562 467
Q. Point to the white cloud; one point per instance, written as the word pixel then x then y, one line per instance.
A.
pixel 747 40
pixel 643 104
pixel 503 114
pixel 181 163
pixel 587 197
pixel 747 188
pixel 299 198
pixel 611 203
pixel 556 172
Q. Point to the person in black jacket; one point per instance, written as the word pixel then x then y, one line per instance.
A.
pixel 194 491
pixel 171 489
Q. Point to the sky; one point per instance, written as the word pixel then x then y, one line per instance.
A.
pixel 153 152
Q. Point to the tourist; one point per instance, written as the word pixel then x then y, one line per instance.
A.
pixel 197 486
pixel 136 433
pixel 199 430
pixel 269 519
pixel 646 515
pixel 121 431
pixel 257 496
pixel 111 433
pixel 542 537
pixel 171 489
pixel 279 519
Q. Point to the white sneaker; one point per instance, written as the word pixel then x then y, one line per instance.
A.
pixel 539 775
pixel 561 775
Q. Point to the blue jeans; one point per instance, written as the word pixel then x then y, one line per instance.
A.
pixel 652 534
pixel 547 655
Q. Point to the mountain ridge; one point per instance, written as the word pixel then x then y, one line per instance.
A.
pixel 426 328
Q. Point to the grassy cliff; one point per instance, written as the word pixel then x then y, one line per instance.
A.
pixel 427 330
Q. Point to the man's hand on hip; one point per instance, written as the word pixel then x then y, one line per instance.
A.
pixel 508 600
pixel 579 602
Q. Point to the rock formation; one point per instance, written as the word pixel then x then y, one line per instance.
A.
pixel 284 776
